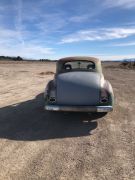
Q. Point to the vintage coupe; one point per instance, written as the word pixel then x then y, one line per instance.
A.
pixel 79 85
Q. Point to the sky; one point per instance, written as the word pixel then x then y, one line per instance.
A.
pixel 58 28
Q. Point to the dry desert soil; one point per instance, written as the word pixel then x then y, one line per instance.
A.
pixel 35 144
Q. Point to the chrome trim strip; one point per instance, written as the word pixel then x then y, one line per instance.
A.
pixel 79 108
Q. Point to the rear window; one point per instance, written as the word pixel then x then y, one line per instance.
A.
pixel 79 65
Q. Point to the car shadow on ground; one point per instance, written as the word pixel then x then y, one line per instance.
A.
pixel 27 121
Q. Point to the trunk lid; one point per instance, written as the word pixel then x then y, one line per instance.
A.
pixel 78 88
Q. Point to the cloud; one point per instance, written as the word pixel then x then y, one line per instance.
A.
pixel 124 44
pixel 53 2
pixel 27 51
pixel 18 20
pixel 43 17
pixel 116 57
pixel 51 23
pixel 126 4
pixel 99 35
pixel 10 45
pixel 30 28
pixel 79 18
pixel 102 56
pixel 112 56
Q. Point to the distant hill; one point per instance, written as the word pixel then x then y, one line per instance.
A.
pixel 122 60
pixel 129 60
pixel 18 58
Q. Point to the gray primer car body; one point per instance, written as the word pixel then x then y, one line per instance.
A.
pixel 79 89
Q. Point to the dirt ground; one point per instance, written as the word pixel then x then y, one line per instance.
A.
pixel 35 144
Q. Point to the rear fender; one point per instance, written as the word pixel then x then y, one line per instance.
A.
pixel 109 90
pixel 50 90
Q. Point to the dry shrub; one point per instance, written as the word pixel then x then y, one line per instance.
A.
pixel 128 64
pixel 47 73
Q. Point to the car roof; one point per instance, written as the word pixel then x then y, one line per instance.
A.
pixel 81 58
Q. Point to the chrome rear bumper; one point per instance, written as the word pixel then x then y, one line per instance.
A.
pixel 79 108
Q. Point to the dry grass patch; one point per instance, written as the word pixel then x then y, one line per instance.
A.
pixel 128 65
pixel 47 73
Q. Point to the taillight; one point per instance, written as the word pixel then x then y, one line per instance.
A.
pixel 103 96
